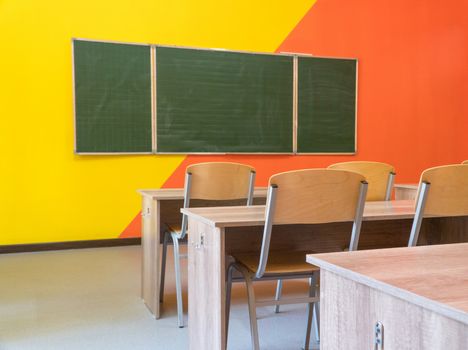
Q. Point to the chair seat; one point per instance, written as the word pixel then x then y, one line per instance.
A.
pixel 173 227
pixel 288 263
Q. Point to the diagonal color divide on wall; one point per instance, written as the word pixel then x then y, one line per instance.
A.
pixel 176 179
pixel 413 84
pixel 412 107
pixel 47 193
pixel 413 77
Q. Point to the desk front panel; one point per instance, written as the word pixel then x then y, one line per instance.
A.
pixel 335 237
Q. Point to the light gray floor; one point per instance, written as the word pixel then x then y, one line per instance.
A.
pixel 90 299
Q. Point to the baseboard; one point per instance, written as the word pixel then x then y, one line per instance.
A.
pixel 98 243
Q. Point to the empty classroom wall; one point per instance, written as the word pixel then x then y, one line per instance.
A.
pixel 412 104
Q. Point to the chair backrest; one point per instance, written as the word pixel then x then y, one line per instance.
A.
pixel 220 181
pixel 448 190
pixel 465 162
pixel 313 196
pixel 442 191
pixel 379 176
pixel 316 196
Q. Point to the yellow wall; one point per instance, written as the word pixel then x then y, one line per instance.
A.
pixel 47 193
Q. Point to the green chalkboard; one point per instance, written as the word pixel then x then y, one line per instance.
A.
pixel 112 97
pixel 223 102
pixel 326 105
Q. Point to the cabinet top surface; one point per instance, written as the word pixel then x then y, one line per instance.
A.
pixel 434 277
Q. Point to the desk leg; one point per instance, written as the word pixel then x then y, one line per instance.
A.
pixel 206 287
pixel 151 265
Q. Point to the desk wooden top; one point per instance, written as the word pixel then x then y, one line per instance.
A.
pixel 178 193
pixel 434 277
pixel 255 215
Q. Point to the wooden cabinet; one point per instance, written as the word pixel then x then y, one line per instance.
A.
pixel 419 295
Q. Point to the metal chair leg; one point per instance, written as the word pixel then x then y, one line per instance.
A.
pixel 252 306
pixel 317 306
pixel 279 288
pixel 252 314
pixel 163 267
pixel 316 322
pixel 178 278
pixel 310 308
pixel 228 299
pixel 313 316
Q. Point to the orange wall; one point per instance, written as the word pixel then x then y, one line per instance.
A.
pixel 413 82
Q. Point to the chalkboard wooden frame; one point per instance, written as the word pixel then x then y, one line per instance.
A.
pixel 355 148
pixel 77 150
pixel 295 131
pixel 288 118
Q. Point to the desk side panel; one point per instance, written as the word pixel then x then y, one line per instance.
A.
pixel 150 254
pixel 206 287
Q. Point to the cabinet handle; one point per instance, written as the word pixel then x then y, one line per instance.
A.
pixel 146 213
pixel 379 336
pixel 201 241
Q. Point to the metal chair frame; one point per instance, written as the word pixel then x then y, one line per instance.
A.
pixel 388 196
pixel 449 174
pixel 176 236
pixel 391 181
pixel 419 214
pixel 312 300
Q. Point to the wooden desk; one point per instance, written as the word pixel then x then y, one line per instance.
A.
pixel 163 206
pixel 159 207
pixel 405 191
pixel 218 232
pixel 419 294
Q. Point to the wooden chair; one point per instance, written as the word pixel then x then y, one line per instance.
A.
pixel 380 177
pixel 217 181
pixel 309 196
pixel 442 191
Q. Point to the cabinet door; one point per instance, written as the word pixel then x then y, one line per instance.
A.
pixel 350 310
